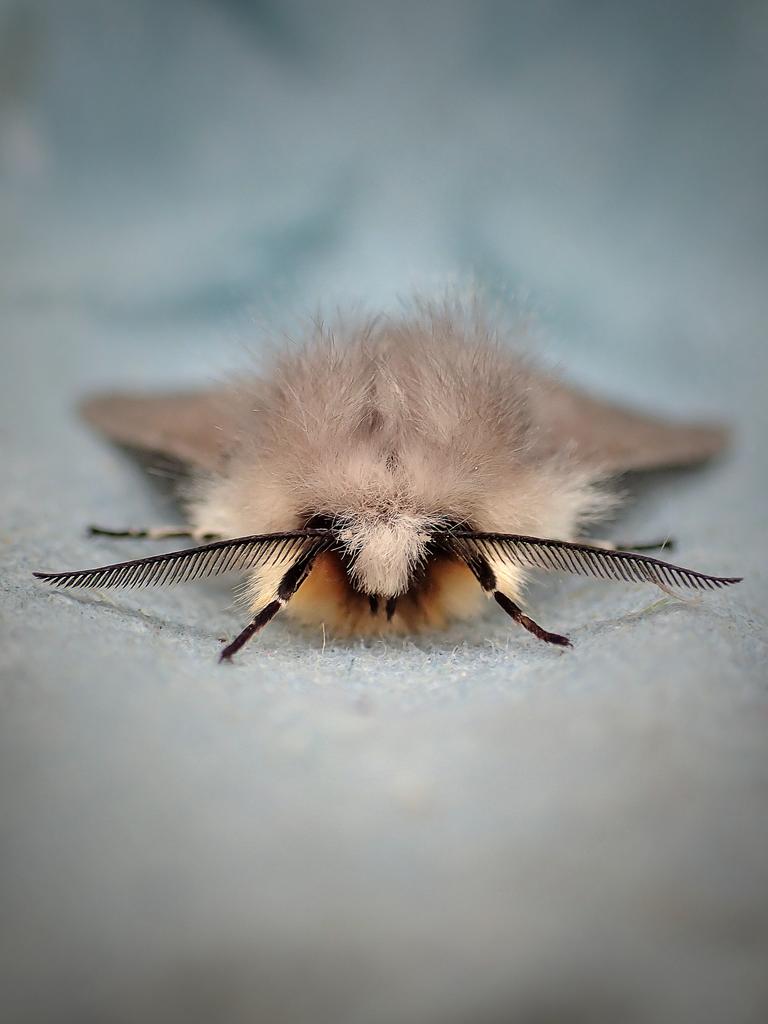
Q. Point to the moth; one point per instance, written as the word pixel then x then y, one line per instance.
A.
pixel 388 475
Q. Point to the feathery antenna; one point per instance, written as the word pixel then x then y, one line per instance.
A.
pixel 235 555
pixel 582 559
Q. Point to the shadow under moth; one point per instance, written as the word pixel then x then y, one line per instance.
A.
pixel 388 475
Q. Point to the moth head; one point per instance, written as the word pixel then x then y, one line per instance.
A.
pixel 384 549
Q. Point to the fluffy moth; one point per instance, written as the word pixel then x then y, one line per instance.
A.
pixel 388 476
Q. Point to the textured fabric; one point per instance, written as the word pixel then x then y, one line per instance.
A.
pixel 470 826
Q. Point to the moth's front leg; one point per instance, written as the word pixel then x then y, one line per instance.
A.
pixel 486 577
pixel 289 584
pixel 155 533
pixel 517 613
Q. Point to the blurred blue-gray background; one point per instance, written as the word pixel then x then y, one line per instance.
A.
pixel 458 828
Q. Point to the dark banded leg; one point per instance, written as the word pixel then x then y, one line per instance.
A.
pixel 153 533
pixel 390 607
pixel 287 587
pixel 487 580
pixel 259 622
pixel 527 622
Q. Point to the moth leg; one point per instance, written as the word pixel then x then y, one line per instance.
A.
pixel 257 623
pixel 667 544
pixel 527 622
pixel 154 533
pixel 487 579
pixel 287 587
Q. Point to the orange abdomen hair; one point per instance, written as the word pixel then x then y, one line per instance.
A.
pixel 448 591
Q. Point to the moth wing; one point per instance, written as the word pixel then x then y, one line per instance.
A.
pixel 192 428
pixel 614 437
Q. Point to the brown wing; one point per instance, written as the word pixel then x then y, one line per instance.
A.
pixel 193 428
pixel 616 438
